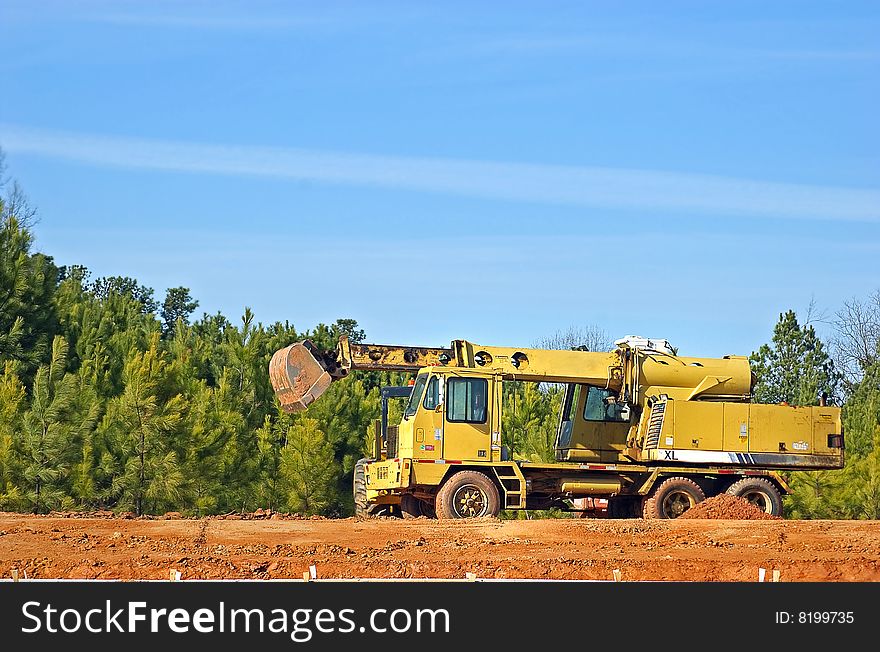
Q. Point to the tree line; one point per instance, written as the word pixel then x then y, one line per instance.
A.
pixel 113 399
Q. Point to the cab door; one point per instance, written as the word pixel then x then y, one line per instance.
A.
pixel 467 419
pixel 428 443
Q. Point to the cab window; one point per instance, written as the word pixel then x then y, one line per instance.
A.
pixel 432 396
pixel 601 405
pixel 416 395
pixel 466 400
pixel 572 397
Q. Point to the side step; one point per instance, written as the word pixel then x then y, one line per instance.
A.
pixel 514 496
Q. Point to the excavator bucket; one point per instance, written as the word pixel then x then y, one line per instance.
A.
pixel 298 376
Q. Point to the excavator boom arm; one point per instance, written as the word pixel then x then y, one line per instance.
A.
pixel 301 372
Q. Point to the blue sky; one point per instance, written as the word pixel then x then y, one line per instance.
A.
pixel 489 171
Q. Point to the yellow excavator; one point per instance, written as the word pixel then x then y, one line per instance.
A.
pixel 643 430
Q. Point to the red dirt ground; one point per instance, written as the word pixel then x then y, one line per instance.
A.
pixel 64 546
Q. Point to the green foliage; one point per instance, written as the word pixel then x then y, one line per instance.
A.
pixel 139 428
pixel 178 305
pixel 861 418
pixel 51 432
pixel 308 469
pixel 345 413
pixel 530 414
pixel 12 401
pixel 795 367
pixel 27 283
pixel 123 286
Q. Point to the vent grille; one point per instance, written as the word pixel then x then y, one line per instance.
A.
pixel 655 425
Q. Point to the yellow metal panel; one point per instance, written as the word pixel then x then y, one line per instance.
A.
pixel 612 440
pixel 736 427
pixel 783 428
pixel 389 474
pixel 581 455
pixel 697 426
pixel 405 437
pixel 780 428
pixel 826 421
pixel 428 474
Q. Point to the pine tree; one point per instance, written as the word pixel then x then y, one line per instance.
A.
pixel 12 400
pixel 51 431
pixel 27 283
pixel 861 417
pixel 309 469
pixel 345 413
pixel 83 486
pixel 795 367
pixel 178 306
pixel 271 439
pixel 529 418
pixel 212 423
pixel 141 424
pixel 815 494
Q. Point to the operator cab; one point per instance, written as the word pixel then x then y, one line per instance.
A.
pixel 593 425
pixel 449 416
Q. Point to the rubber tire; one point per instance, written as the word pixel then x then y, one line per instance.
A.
pixel 412 507
pixel 359 489
pixel 653 507
pixel 771 495
pixel 444 503
pixel 362 507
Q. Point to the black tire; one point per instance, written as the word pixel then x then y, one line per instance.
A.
pixel 412 507
pixel 760 492
pixel 672 498
pixel 468 494
pixel 359 489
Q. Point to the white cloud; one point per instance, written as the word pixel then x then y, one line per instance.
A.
pixel 646 190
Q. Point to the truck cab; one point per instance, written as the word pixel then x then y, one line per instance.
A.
pixel 593 426
pixel 451 414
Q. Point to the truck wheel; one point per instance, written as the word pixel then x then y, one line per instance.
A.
pixel 760 492
pixel 359 485
pixel 412 507
pixel 362 507
pixel 672 498
pixel 468 494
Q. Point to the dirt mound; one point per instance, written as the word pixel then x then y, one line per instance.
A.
pixel 725 506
